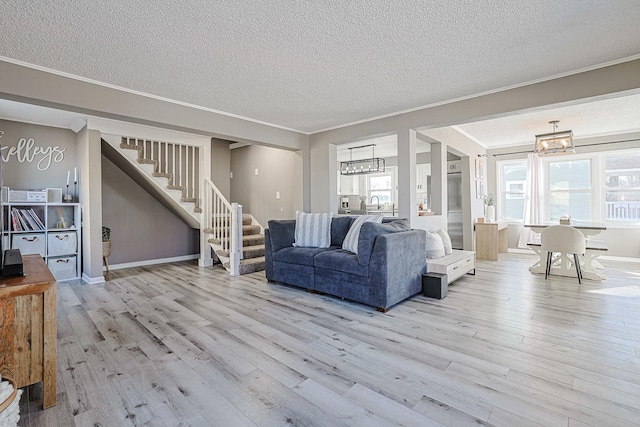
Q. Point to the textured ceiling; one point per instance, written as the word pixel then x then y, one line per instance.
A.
pixel 310 65
pixel 611 116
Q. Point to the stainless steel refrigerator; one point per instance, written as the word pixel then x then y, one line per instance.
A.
pixel 454 209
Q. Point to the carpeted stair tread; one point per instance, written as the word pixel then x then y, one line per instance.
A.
pixel 146 161
pixel 130 147
pixel 251 240
pixel 247 230
pixel 162 175
pixel 250 265
pixel 247 252
pixel 246 220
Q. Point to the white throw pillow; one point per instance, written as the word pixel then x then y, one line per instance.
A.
pixel 435 247
pixel 313 230
pixel 446 240
pixel 350 242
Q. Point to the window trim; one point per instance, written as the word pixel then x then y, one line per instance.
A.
pixel 546 173
pixel 503 193
pixel 389 171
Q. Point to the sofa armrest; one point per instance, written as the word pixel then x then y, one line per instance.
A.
pixel 268 254
pixel 397 263
pixel 282 233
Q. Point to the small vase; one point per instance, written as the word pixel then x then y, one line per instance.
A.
pixel 363 205
pixel 491 213
pixel 106 249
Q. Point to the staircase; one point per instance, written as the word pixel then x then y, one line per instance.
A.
pixel 172 173
pixel 252 259
pixel 176 181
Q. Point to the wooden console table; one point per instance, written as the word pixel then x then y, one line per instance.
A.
pixel 28 327
pixel 491 238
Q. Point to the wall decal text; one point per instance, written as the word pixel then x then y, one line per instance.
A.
pixel 26 151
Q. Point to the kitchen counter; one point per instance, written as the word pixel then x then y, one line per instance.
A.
pixel 369 211
pixel 380 212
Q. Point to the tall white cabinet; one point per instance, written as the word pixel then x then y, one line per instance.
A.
pixel 55 234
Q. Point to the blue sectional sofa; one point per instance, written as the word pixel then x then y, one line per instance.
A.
pixel 387 269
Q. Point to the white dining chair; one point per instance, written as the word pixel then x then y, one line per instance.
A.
pixel 563 239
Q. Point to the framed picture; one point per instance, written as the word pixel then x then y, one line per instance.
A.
pixel 479 169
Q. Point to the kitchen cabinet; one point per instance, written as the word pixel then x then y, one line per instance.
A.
pixel 423 177
pixel 348 184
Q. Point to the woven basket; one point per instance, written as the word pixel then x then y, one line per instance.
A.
pixel 10 408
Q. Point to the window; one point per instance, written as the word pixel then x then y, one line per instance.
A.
pixel 622 188
pixel 512 176
pixel 382 185
pixel 597 187
pixel 569 189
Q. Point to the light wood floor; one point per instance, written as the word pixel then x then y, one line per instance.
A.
pixel 179 345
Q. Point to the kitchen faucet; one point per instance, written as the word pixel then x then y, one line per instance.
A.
pixel 377 198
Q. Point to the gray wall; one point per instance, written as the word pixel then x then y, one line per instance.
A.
pixel 221 165
pixel 141 228
pixel 27 174
pixel 276 172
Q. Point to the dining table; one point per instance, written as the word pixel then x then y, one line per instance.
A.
pixel 563 263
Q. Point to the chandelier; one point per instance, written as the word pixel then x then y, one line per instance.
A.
pixel 364 166
pixel 555 143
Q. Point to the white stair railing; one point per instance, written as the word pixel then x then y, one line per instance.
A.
pixel 178 160
pixel 224 221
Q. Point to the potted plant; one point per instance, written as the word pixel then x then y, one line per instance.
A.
pixel 490 200
pixel 106 244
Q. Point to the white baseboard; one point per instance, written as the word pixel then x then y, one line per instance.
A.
pixel 619 258
pixel 92 280
pixel 205 263
pixel 520 251
pixel 152 262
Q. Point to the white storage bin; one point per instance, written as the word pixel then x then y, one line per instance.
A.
pixel 29 243
pixel 62 243
pixel 63 267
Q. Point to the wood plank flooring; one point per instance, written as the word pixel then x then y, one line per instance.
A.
pixel 177 345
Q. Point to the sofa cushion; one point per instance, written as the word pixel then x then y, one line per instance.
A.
pixel 282 233
pixel 341 260
pixel 351 240
pixel 313 230
pixel 339 228
pixel 370 231
pixel 435 246
pixel 344 285
pixel 301 256
pixel 294 274
pixel 446 241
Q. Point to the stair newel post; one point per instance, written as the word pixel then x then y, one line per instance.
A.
pixel 205 259
pixel 236 239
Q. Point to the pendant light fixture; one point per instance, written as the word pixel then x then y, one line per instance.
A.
pixel 555 143
pixel 364 166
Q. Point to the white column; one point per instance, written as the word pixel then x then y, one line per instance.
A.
pixel 90 181
pixel 407 207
